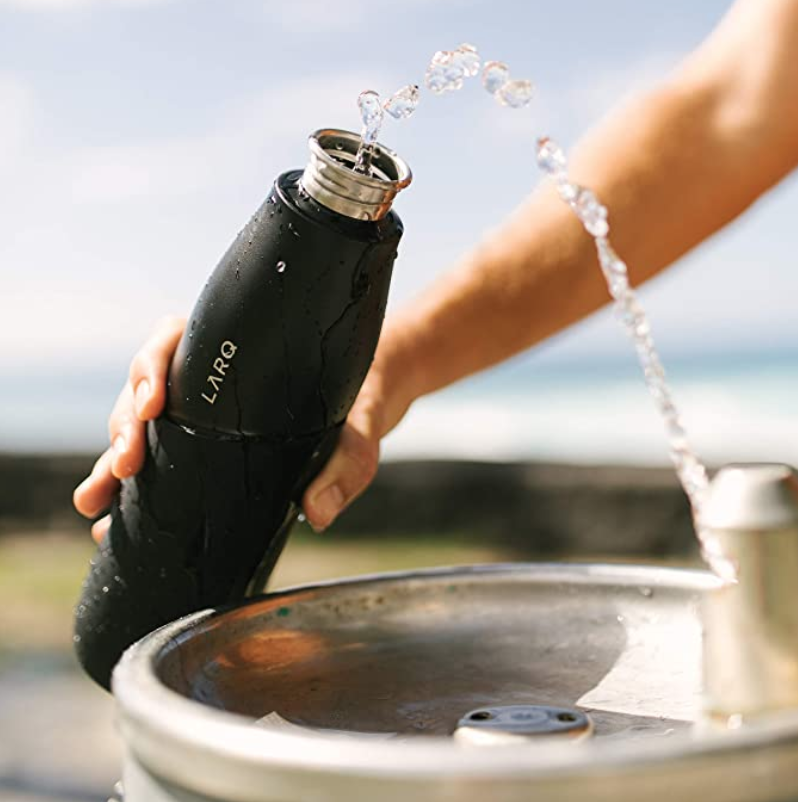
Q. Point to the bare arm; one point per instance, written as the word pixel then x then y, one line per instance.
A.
pixel 673 167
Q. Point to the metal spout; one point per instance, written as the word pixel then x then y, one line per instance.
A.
pixel 330 179
pixel 751 627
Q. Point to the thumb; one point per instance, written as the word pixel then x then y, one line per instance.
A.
pixel 348 472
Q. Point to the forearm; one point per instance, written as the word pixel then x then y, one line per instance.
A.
pixel 672 167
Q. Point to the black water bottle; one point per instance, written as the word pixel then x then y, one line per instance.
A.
pixel 271 360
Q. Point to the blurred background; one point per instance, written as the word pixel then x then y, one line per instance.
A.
pixel 136 138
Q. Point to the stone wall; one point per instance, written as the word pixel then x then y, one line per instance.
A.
pixel 532 508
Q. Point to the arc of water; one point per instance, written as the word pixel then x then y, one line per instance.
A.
pixel 446 73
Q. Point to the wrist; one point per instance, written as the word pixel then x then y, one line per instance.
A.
pixel 396 373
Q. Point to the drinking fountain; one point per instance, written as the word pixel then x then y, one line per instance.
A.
pixel 500 682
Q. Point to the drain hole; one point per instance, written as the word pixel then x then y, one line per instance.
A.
pixel 566 717
pixel 481 715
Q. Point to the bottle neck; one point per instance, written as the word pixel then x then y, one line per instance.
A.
pixel 330 178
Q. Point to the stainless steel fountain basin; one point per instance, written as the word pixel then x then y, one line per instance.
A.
pixel 395 661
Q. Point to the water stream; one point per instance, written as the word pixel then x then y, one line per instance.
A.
pixel 448 71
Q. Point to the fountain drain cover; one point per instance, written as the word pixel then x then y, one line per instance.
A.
pixel 511 723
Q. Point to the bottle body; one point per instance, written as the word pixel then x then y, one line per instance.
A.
pixel 272 358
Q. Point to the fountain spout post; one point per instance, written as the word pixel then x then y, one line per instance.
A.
pixel 751 626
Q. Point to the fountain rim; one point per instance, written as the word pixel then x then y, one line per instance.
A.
pixel 197 729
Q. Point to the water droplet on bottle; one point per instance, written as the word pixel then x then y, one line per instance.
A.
pixel 443 73
pixel 495 75
pixel 76 639
pixel 105 588
pixel 403 103
pixel 467 58
pixel 281 267
pixel 301 517
pixel 515 94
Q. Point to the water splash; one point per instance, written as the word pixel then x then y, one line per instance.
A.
pixel 403 102
pixel 447 72
pixel 495 74
pixel 467 58
pixel 371 115
pixel 370 106
pixel 594 217
pixel 515 94
pixel 448 69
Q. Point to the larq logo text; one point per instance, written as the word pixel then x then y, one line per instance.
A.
pixel 220 366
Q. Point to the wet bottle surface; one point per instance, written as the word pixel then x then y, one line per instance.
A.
pixel 271 361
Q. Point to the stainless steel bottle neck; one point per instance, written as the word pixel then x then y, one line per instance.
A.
pixel 330 179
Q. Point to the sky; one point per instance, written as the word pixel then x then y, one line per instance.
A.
pixel 137 137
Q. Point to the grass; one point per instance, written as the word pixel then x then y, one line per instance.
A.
pixel 41 573
pixel 40 576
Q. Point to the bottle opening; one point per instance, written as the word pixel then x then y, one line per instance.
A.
pixel 331 180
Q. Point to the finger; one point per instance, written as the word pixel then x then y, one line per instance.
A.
pixel 96 492
pixel 150 366
pixel 99 529
pixel 346 475
pixel 127 435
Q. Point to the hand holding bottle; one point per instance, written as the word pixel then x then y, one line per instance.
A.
pixel 347 474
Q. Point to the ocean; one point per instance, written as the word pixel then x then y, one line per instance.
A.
pixel 736 408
